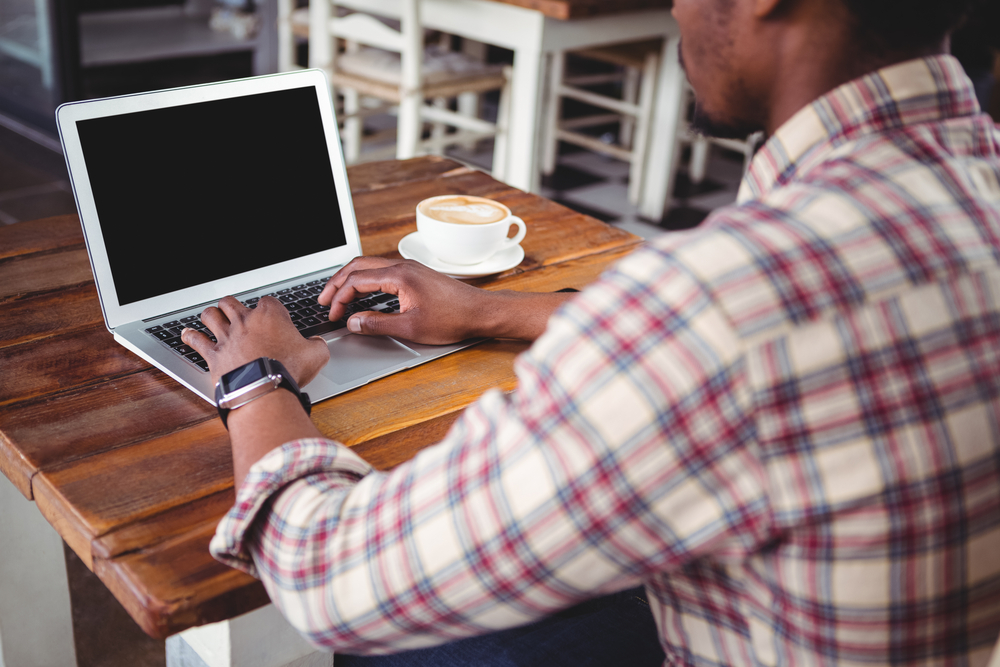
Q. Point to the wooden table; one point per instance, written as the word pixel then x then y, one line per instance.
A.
pixel 134 471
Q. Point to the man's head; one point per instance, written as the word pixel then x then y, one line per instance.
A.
pixel 899 26
pixel 753 63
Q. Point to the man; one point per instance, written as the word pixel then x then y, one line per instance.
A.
pixel 783 423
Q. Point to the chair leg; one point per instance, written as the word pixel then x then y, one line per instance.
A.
pixel 438 130
pixel 630 94
pixel 699 159
pixel 351 134
pixel 286 41
pixel 553 111
pixel 499 170
pixel 408 127
pixel 647 95
pixel 469 103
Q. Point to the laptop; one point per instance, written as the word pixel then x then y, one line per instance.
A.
pixel 238 187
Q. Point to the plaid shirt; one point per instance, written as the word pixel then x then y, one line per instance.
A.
pixel 784 423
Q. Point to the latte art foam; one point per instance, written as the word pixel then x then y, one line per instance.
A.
pixel 464 210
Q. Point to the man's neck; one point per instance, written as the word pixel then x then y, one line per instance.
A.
pixel 808 63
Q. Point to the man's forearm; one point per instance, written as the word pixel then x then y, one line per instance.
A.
pixel 263 425
pixel 519 315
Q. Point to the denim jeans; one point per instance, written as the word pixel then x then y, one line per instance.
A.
pixel 617 629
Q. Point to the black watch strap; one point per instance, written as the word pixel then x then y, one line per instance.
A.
pixel 275 368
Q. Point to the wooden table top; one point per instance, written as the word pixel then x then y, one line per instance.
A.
pixel 134 471
pixel 576 9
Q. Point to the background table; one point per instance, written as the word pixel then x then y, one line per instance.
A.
pixel 533 30
pixel 134 471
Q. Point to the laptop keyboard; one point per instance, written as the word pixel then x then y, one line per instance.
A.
pixel 309 317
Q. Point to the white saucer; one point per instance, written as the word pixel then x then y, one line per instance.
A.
pixel 411 247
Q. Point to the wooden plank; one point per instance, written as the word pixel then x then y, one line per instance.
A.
pixel 418 394
pixel 43 272
pixel 45 235
pixel 88 497
pixel 391 449
pixel 395 173
pixel 49 314
pixel 54 430
pixel 169 525
pixel 177 584
pixel 80 357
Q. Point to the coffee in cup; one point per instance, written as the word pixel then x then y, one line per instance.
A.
pixel 465 230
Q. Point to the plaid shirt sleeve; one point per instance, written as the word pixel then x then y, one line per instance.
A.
pixel 535 500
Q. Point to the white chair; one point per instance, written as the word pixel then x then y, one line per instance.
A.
pixel 385 59
pixel 633 111
pixel 293 28
pixel 636 66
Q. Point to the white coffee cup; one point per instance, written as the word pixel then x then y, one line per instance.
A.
pixel 466 230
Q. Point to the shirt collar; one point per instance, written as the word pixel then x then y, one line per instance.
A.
pixel 922 90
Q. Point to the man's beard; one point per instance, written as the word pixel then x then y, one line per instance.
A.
pixel 704 124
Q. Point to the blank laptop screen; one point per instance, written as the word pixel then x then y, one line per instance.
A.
pixel 194 193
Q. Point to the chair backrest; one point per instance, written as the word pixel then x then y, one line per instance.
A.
pixel 361 27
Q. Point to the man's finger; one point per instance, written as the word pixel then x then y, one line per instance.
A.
pixel 374 323
pixel 363 282
pixel 232 308
pixel 197 340
pixel 216 320
pixel 357 264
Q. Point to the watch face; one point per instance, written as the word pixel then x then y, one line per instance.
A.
pixel 243 376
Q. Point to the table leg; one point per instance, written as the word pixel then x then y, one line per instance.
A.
pixel 664 147
pixel 526 83
pixel 260 638
pixel 36 621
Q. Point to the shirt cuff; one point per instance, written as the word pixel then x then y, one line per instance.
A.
pixel 271 474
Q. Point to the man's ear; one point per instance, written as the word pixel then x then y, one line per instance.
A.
pixel 767 8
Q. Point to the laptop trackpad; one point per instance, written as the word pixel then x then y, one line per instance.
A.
pixel 355 357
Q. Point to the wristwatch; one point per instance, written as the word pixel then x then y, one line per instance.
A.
pixel 253 380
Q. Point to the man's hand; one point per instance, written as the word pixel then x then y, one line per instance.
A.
pixel 434 309
pixel 244 335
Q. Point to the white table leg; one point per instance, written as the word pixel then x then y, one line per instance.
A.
pixel 260 638
pixel 526 94
pixel 664 147
pixel 36 621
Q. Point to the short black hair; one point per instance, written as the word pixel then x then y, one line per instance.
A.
pixel 902 25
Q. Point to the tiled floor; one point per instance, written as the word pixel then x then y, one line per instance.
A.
pixel 33 184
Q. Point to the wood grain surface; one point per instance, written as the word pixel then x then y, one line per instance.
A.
pixel 134 471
